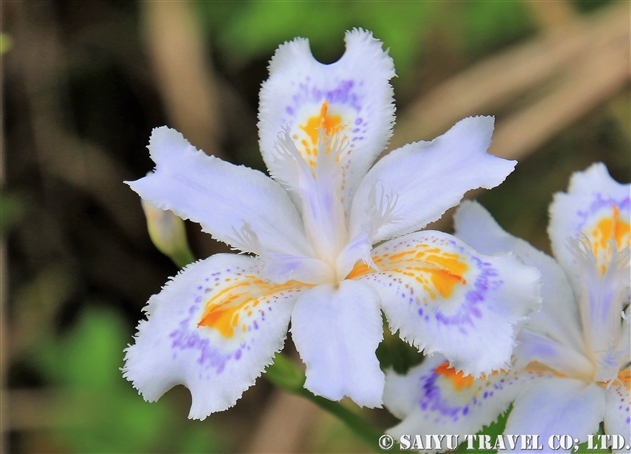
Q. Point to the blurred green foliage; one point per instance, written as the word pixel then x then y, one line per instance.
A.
pixel 248 30
pixel 11 211
pixel 108 414
pixel 5 43
pixel 491 24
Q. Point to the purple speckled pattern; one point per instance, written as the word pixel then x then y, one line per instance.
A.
pixel 187 335
pixel 619 405
pixel 444 296
pixel 432 401
pixel 214 350
pixel 486 280
pixel 307 93
pixel 598 204
pixel 344 94
pixel 442 403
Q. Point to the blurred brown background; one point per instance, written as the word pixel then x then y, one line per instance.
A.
pixel 84 82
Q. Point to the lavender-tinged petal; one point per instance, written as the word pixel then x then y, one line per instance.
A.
pixel 433 399
pixel 336 330
pixel 446 297
pixel 213 328
pixel 351 98
pixel 225 199
pixel 427 178
pixel 558 406
pixel 559 317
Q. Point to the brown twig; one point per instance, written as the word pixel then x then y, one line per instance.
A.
pixel 494 82
pixel 184 76
pixel 581 64
pixel 585 86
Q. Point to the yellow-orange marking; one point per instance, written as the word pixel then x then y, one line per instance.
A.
pixel 445 270
pixel 223 309
pixel 444 281
pixel 458 379
pixel 610 229
pixel 539 368
pixel 401 254
pixel 360 269
pixel 625 377
pixel 331 124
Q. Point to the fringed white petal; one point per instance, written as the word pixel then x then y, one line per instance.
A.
pixel 213 328
pixel 596 210
pixel 222 197
pixel 427 178
pixel 434 399
pixel 350 99
pixel 446 297
pixel 336 332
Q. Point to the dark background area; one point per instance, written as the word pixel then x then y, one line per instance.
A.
pixel 83 84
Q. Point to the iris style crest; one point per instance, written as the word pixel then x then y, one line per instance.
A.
pixel 572 364
pixel 311 228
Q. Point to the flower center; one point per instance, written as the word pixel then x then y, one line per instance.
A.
pixel 319 188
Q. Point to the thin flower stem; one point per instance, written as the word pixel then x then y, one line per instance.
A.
pixel 285 374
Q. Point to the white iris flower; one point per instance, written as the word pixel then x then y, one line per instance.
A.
pixel 572 362
pixel 311 228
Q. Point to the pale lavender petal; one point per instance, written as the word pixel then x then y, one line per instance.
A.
pixel 559 317
pixel 213 328
pixel 336 331
pixel 427 178
pixel 446 297
pixel 558 406
pixel 351 98
pixel 225 199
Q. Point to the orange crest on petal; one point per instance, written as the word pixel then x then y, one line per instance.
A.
pixel 609 228
pixel 236 301
pixel 458 379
